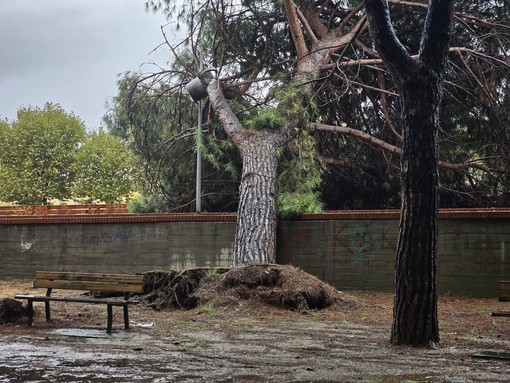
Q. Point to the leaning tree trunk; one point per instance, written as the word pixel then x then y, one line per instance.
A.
pixel 255 240
pixel 415 311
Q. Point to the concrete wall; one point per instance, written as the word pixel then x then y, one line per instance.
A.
pixel 114 247
pixel 473 255
pixel 349 253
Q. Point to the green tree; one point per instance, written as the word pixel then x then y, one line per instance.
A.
pixel 105 169
pixel 37 152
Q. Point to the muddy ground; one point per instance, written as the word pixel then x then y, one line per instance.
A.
pixel 243 340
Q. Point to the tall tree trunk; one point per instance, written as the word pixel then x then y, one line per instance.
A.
pixel 419 83
pixel 255 240
pixel 415 312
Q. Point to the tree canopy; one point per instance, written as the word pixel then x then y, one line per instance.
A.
pixel 159 126
pixel 47 153
pixel 257 46
pixel 37 153
pixel 105 170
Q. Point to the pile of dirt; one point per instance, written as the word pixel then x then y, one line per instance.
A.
pixel 172 289
pixel 11 310
pixel 281 286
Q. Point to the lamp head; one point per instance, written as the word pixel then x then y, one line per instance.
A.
pixel 197 88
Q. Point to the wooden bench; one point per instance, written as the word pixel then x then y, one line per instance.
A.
pixel 114 283
pixel 503 296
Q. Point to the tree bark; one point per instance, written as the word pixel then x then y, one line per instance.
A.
pixel 419 82
pixel 257 212
pixel 415 312
pixel 255 240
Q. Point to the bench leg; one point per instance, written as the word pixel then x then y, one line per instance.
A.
pixel 30 313
pixel 126 316
pixel 110 319
pixel 47 309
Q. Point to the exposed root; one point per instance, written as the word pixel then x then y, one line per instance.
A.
pixel 281 286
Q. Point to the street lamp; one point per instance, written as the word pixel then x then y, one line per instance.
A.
pixel 197 89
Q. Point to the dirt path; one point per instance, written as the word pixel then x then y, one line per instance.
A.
pixel 244 342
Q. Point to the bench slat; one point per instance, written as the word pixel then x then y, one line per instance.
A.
pixel 504 285
pixel 125 278
pixel 85 285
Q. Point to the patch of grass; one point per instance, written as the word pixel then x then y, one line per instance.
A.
pixel 200 343
pixel 473 334
pixel 207 309
pixel 344 323
pixel 212 271
pixel 444 325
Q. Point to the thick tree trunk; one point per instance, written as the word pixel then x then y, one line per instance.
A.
pixel 415 312
pixel 419 83
pixel 255 241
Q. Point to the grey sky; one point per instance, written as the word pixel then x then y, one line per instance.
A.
pixel 71 52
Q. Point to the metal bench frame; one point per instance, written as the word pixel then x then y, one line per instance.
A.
pixel 503 296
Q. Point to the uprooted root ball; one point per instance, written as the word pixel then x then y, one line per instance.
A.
pixel 173 289
pixel 11 310
pixel 276 285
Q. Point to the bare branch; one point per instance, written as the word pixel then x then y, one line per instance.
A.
pixel 295 30
pixel 307 27
pixel 436 35
pixel 371 140
pixel 365 137
pixel 385 38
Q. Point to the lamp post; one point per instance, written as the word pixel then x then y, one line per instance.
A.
pixel 197 89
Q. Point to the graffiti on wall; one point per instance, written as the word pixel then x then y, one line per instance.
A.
pixel 361 242
pixel 29 243
pixel 101 237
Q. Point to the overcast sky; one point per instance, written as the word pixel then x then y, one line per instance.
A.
pixel 71 52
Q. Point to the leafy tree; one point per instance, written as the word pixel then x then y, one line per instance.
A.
pixel 37 152
pixel 105 169
pixel 47 154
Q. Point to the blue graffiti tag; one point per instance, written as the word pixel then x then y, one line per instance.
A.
pixel 364 245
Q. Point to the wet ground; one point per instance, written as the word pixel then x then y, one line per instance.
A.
pixel 245 343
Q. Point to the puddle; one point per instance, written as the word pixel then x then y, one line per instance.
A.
pixel 492 354
pixel 424 378
pixel 80 333
pixel 89 371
